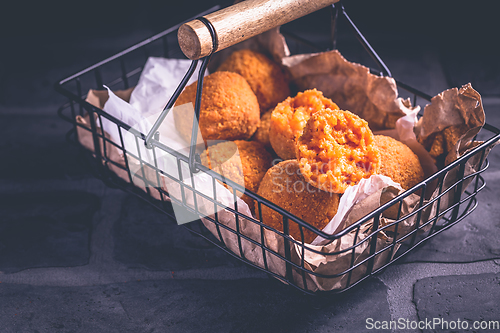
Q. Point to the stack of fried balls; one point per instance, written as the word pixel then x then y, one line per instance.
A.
pixel 300 153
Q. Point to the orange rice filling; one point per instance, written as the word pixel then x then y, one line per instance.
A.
pixel 336 150
pixel 290 116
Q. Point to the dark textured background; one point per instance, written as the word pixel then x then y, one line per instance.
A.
pixel 76 256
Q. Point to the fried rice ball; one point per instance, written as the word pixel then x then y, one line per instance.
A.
pixel 229 109
pixel 264 76
pixel 262 133
pixel 284 186
pixel 336 150
pixel 398 162
pixel 244 162
pixel 289 118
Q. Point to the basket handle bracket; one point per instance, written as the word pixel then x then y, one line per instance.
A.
pixel 153 136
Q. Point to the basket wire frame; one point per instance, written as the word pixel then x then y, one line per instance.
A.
pixel 129 63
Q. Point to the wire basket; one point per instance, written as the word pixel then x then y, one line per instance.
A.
pixel 284 261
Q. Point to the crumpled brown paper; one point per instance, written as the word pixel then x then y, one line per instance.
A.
pixel 329 259
pixel 447 129
pixel 450 122
pixel 351 86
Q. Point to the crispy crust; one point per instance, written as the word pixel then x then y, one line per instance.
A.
pixel 289 118
pixel 244 162
pixel 336 150
pixel 263 75
pixel 262 133
pixel 398 162
pixel 284 186
pixel 229 109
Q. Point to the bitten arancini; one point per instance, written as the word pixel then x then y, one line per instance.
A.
pixel 264 76
pixel 289 118
pixel 398 162
pixel 229 109
pixel 336 150
pixel 284 186
pixel 244 162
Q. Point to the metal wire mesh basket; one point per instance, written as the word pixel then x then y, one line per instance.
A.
pixel 285 261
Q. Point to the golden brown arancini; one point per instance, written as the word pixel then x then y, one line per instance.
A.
pixel 398 162
pixel 284 186
pixel 289 118
pixel 336 150
pixel 262 133
pixel 244 162
pixel 229 109
pixel 263 75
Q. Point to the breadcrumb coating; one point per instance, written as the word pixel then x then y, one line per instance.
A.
pixel 290 116
pixel 244 162
pixel 336 150
pixel 284 185
pixel 398 162
pixel 264 76
pixel 229 109
pixel 262 133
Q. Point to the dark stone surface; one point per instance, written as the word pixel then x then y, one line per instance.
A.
pixel 47 43
pixel 247 305
pixel 463 67
pixel 45 229
pixel 145 237
pixel 54 229
pixel 468 298
pixel 468 52
pixel 34 148
pixel 26 86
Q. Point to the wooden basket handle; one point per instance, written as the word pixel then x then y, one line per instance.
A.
pixel 241 21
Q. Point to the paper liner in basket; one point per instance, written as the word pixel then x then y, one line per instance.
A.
pixel 142 176
pixel 450 123
pixel 447 129
pixel 138 107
